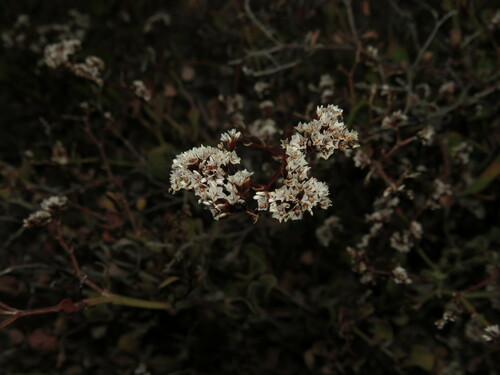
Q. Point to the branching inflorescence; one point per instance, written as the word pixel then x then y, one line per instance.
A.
pixel 214 176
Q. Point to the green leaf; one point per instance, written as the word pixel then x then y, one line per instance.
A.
pixel 128 342
pixel 398 54
pixel 160 159
pixel 382 331
pixel 421 357
pixel 268 282
pixel 485 179
pixel 168 281
pixel 366 310
pixel 401 320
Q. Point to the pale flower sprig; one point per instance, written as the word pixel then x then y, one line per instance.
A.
pixel 215 177
pixel 50 206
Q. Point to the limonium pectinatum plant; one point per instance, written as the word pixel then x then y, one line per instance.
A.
pixel 222 186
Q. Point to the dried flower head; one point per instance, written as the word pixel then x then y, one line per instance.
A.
pixel 426 135
pixel 157 18
pixel 141 91
pixel 208 171
pixel 400 276
pixel 492 333
pixel 37 219
pixel 58 54
pixel 205 170
pixel 264 129
pixel 324 233
pixel 90 69
pixel 54 204
pixel 394 120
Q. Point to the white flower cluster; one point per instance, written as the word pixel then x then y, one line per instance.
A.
pixel 25 35
pixel 461 153
pixel 230 137
pixel 394 120
pixel 328 133
pixel 57 55
pixel 360 264
pixel 400 276
pixel 157 18
pixel 404 241
pixel 263 128
pixel 141 91
pixel 301 193
pixel 89 69
pixel 326 86
pixel 491 333
pixel 324 233
pixel 427 135
pixel 206 171
pixel 442 191
pixel 448 316
pixel 50 206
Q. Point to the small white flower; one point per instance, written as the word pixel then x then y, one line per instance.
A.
pixel 54 204
pixel 372 52
pixel 326 82
pixel 37 219
pixel 57 54
pixel 90 69
pixel 266 104
pixel 230 136
pixel 263 128
pixel 141 91
pixel 491 333
pixel 159 17
pixel 394 120
pixel 426 135
pixel 260 88
pixel 361 158
pixel 441 190
pixel 401 241
pixel 324 233
pixel 461 153
pixel 400 276
pixel 416 229
pixel 448 316
pixel 240 177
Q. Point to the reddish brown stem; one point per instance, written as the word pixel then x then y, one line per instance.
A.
pixel 250 143
pixel 482 283
pixel 65 305
pixel 378 168
pixel 76 267
pixel 396 147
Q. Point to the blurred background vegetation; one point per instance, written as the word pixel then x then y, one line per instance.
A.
pixel 248 298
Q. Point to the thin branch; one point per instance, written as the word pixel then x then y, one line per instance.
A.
pixel 421 52
pixel 69 250
pixel 259 24
pixel 352 24
pixel 109 172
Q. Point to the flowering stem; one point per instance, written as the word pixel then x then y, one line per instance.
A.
pixel 68 306
pixel 119 300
